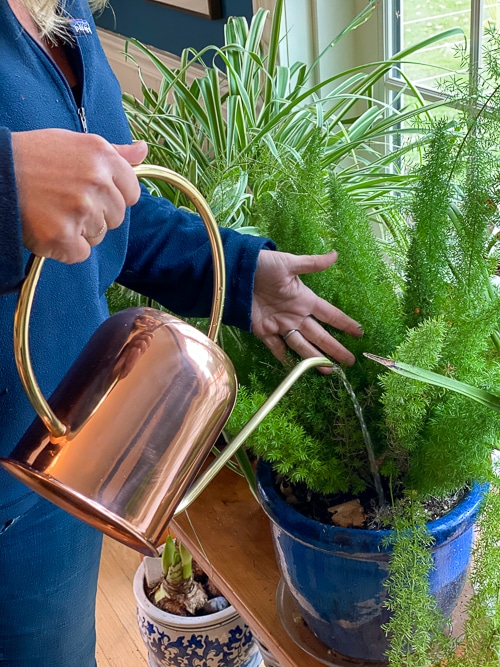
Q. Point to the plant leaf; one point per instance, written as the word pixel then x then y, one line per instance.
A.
pixel 168 555
pixel 415 373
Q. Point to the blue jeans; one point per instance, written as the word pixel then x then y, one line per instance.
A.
pixel 49 564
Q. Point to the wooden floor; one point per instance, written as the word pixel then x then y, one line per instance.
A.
pixel 119 643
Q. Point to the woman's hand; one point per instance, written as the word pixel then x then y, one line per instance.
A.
pixel 286 313
pixel 72 188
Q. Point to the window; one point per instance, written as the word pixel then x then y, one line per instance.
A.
pixel 411 21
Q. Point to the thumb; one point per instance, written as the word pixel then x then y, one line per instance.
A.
pixel 302 264
pixel 134 153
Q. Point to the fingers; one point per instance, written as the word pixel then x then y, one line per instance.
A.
pixel 70 251
pixel 95 239
pixel 124 178
pixel 125 193
pixel 302 264
pixel 133 153
pixel 304 348
pixel 282 304
pixel 276 346
pixel 329 314
pixel 72 188
pixel 321 309
pixel 311 340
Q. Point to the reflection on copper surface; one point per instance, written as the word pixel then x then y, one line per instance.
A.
pixel 139 340
pixel 144 403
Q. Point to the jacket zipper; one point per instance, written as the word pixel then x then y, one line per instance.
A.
pixel 83 119
pixel 80 110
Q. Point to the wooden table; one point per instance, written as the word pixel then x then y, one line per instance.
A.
pixel 229 535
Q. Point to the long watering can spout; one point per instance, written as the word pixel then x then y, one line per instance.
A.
pixel 131 424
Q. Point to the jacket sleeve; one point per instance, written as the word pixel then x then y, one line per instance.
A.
pixel 169 259
pixel 11 245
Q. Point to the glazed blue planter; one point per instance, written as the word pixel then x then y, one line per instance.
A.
pixel 336 575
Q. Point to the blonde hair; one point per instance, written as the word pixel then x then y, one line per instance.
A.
pixel 50 17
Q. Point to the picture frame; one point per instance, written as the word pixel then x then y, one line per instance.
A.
pixel 209 9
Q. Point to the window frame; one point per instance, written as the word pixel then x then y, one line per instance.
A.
pixel 393 43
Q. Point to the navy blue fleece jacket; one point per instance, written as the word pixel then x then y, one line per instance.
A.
pixel 158 250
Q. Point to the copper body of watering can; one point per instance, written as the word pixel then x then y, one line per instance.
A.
pixel 132 422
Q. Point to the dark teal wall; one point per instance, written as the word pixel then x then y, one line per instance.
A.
pixel 169 29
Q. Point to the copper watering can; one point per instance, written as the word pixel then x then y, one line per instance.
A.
pixel 131 424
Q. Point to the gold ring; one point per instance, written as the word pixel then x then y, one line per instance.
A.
pixel 289 333
pixel 99 233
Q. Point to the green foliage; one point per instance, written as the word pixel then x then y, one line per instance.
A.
pixel 364 287
pixel 416 625
pixel 442 463
pixel 293 436
pixel 406 403
pixel 120 298
pixel 176 561
pixel 426 438
pixel 482 628
pixel 428 271
pixel 216 122
pixel 275 155
pixel 291 207
pixel 470 306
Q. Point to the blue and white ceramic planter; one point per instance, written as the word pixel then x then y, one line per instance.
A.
pixel 215 640
pixel 336 575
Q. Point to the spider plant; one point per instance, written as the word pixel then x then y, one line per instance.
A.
pixel 244 127
pixel 244 104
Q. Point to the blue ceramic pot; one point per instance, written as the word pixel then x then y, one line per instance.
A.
pixel 335 575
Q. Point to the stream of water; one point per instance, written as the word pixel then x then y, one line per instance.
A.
pixel 377 480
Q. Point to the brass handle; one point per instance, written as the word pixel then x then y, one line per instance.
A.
pixel 24 305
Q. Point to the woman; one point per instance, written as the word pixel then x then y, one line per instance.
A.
pixel 68 192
